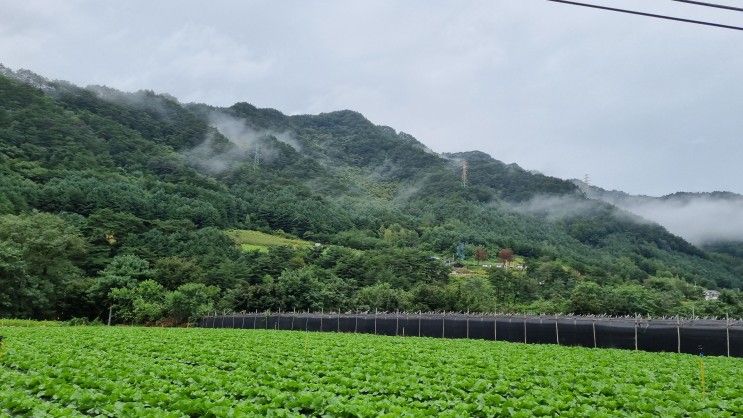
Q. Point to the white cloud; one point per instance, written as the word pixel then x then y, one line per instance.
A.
pixel 698 220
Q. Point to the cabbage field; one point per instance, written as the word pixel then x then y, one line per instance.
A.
pixel 120 371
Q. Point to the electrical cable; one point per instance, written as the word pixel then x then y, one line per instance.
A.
pixel 634 12
pixel 718 6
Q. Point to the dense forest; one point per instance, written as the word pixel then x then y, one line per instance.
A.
pixel 122 203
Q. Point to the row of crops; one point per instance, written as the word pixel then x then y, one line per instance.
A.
pixel 117 371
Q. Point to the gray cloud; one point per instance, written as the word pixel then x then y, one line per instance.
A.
pixel 208 157
pixel 554 207
pixel 699 220
pixel 244 136
pixel 244 143
pixel 642 105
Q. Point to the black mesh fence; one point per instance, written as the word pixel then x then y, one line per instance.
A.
pixel 410 325
pixel 511 329
pixel 481 329
pixel 615 334
pixel 708 337
pixel 576 331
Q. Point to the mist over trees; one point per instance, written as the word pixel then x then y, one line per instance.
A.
pixel 121 202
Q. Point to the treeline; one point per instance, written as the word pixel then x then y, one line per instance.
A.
pixel 172 277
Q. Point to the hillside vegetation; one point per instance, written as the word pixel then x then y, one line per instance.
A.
pixel 134 204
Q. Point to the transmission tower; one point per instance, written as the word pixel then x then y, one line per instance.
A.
pixel 464 173
pixel 587 180
pixel 257 156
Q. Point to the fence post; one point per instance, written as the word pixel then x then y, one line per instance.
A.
pixel 727 332
pixel 557 332
pixel 375 321
pixel 407 319
pixel 338 327
pixel 221 321
pixel 355 323
pixel 443 325
pixel 635 333
pixel 678 334
pixel 255 318
pixel 397 322
pixel 322 312
pixel 419 323
pixel 468 326
pixel 293 315
pixel 242 322
pixel 593 325
pixel 495 328
pixel 524 330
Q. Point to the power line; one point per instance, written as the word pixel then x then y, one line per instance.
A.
pixel 634 12
pixel 704 3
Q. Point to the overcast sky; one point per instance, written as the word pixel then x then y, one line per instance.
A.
pixel 642 105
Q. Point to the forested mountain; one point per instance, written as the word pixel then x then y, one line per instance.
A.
pixel 126 201
pixel 713 220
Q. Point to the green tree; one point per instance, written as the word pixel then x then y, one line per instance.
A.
pixel 510 287
pixel 429 297
pixel 383 297
pixel 17 296
pixel 174 271
pixel 190 302
pixel 473 293
pixel 248 296
pixel 398 236
pixel 589 298
pixel 124 271
pixel 143 303
pixel 43 254
pixel 632 299
pixel 310 288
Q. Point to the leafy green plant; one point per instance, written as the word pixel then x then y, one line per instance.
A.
pixel 129 371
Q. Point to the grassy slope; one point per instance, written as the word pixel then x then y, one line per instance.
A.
pixel 176 372
pixel 250 240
